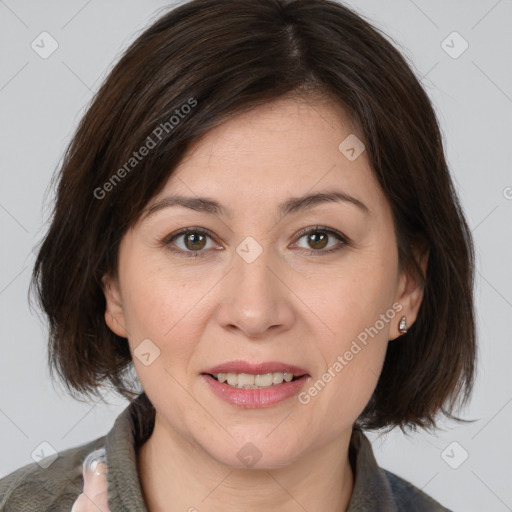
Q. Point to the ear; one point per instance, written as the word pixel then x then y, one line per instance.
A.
pixel 410 292
pixel 114 313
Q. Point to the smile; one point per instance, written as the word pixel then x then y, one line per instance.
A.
pixel 248 381
pixel 252 396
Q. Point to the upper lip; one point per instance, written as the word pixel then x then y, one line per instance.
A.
pixel 256 368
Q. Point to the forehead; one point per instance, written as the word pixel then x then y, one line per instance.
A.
pixel 286 148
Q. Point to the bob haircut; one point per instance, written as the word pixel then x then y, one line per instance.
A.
pixel 201 64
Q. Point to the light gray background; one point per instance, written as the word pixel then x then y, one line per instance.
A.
pixel 42 100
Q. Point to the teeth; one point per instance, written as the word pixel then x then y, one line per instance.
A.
pixel 249 381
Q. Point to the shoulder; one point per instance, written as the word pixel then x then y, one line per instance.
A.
pixel 409 498
pixel 33 488
pixel 376 488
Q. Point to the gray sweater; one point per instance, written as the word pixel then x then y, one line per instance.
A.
pixel 34 489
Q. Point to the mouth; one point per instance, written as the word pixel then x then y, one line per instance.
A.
pixel 245 375
pixel 255 385
pixel 255 390
pixel 254 381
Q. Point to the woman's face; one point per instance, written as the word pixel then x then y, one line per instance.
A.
pixel 258 288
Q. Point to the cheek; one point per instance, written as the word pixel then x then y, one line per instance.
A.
pixel 154 299
pixel 353 301
pixel 352 361
pixel 359 313
pixel 166 308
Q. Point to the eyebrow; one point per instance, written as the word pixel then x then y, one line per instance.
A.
pixel 292 205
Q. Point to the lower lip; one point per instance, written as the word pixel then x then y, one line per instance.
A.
pixel 255 398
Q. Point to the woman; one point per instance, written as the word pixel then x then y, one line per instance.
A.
pixel 256 215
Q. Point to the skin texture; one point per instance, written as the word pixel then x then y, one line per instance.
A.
pixel 287 305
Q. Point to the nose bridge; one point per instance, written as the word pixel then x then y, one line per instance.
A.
pixel 254 299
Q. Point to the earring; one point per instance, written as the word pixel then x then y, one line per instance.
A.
pixel 402 327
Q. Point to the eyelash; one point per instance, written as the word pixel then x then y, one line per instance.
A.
pixel 167 241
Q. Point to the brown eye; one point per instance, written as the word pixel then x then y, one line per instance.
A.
pixel 317 240
pixel 193 241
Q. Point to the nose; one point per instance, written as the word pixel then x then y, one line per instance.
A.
pixel 255 298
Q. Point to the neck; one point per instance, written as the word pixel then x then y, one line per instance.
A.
pixel 177 475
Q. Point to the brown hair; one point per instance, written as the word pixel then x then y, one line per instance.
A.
pixel 221 58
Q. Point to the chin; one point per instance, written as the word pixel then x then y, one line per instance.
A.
pixel 255 451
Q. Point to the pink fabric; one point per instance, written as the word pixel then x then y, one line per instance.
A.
pixel 94 496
